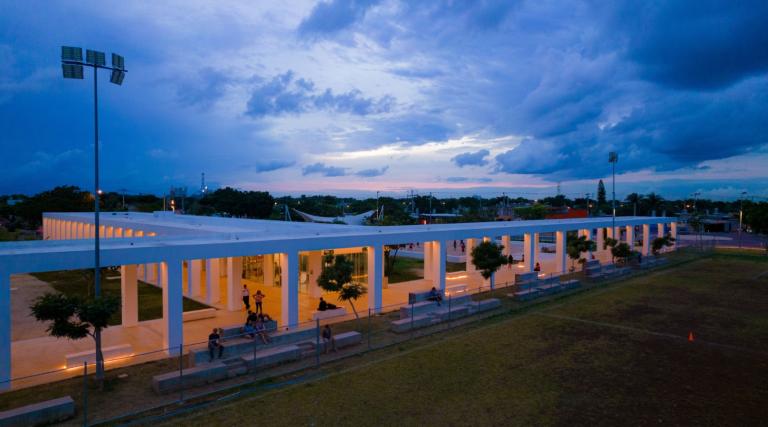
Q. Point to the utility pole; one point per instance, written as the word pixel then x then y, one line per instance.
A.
pixel 741 214
pixel 377 208
pixel 613 158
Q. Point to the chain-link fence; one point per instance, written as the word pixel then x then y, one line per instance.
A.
pixel 162 381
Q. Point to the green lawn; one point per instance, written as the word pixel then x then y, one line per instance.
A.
pixel 406 269
pixel 79 282
pixel 612 356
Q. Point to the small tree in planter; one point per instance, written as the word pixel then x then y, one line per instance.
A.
pixel 75 318
pixel 661 242
pixel 488 257
pixel 610 242
pixel 621 251
pixel 337 277
pixel 577 246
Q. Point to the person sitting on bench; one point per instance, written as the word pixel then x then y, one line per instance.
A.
pixel 248 330
pixel 537 267
pixel 261 330
pixel 251 317
pixel 435 296
pixel 214 342
pixel 325 305
pixel 328 339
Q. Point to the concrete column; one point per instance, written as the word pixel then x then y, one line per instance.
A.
pixel 631 237
pixel 609 232
pixel 314 268
pixel 528 251
pixel 102 231
pixel 600 239
pixel 561 256
pixel 194 272
pixel 118 232
pixel 80 230
pixel 375 277
pixel 129 292
pixel 5 330
pixel 269 270
pixel 470 243
pixel 673 233
pixel 128 232
pixel 213 294
pixel 235 284
pixel 289 266
pixel 429 270
pixel 163 275
pixel 138 233
pixel 536 248
pixel 173 326
pixel 646 240
pixel 440 255
pixel 110 232
pixel 659 230
pixel 507 243
pixel 617 233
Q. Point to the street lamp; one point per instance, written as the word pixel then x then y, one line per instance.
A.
pixel 613 158
pixel 741 214
pixel 72 68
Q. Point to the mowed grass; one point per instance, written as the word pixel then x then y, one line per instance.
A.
pixel 78 282
pixel 610 366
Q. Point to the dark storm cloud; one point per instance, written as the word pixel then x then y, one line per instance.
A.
pixel 477 158
pixel 371 173
pixel 322 169
pixel 329 17
pixel 285 94
pixel 269 166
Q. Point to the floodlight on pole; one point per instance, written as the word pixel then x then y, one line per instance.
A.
pixel 72 67
pixel 613 158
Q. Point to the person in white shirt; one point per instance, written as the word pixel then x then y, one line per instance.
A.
pixel 246 297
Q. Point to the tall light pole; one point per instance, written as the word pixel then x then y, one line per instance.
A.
pixel 72 67
pixel 613 158
pixel 741 213
pixel 378 219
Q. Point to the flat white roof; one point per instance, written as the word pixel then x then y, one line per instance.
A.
pixel 197 237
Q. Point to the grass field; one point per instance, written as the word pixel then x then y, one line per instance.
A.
pixel 406 269
pixel 78 282
pixel 618 355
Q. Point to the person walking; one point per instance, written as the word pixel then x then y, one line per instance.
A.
pixel 257 299
pixel 246 297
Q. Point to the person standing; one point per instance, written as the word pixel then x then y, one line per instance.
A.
pixel 258 298
pixel 246 297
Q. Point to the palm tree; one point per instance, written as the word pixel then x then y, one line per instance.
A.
pixel 634 198
pixel 653 201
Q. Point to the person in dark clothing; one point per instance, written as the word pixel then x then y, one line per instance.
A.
pixel 537 267
pixel 251 317
pixel 510 261
pixel 214 342
pixel 325 305
pixel 328 339
pixel 435 296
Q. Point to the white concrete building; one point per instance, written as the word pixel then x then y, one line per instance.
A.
pixel 184 255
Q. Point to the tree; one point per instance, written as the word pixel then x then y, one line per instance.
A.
pixel 249 204
pixel 75 318
pixel 634 199
pixel 610 242
pixel 390 256
pixel 600 193
pixel 337 277
pixel 696 224
pixel 653 201
pixel 488 257
pixel 660 242
pixel 577 246
pixel 621 251
pixel 756 217
pixel 537 211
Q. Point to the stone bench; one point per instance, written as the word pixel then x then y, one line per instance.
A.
pixel 550 288
pixel 272 356
pixel 348 339
pixel 329 314
pixel 525 295
pixel 571 284
pixel 205 313
pixel 48 412
pixel 193 377
pixel 404 325
pixel 528 277
pixel 76 359
pixel 457 300
pixel 456 312
pixel 484 305
pixel 416 297
pixel 238 346
pixel 418 308
pixel 455 290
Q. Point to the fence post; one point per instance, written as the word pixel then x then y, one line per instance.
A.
pixel 369 328
pixel 85 393
pixel 181 373
pixel 317 342
pixel 449 308
pixel 254 359
pixel 412 315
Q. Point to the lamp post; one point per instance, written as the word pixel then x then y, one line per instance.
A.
pixel 741 214
pixel 613 158
pixel 72 68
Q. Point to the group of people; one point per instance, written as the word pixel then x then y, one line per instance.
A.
pixel 258 299
pixel 256 325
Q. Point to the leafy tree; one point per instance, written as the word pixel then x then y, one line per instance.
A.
pixel 622 251
pixel 610 242
pixel 653 201
pixel 696 224
pixel 248 204
pixel 600 193
pixel 756 217
pixel 488 257
pixel 537 211
pixel 59 199
pixel 660 242
pixel 634 199
pixel 390 257
pixel 337 277
pixel 577 246
pixel 75 318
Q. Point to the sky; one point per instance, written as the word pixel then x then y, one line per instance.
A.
pixel 350 97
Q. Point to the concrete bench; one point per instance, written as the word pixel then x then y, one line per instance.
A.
pixel 404 325
pixel 48 412
pixel 235 331
pixel 456 312
pixel 456 300
pixel 528 277
pixel 272 356
pixel 238 346
pixel 571 284
pixel 455 290
pixel 193 377
pixel 418 308
pixel 329 314
pixel 525 295
pixel 347 339
pixel 550 289
pixel 76 359
pixel 205 313
pixel 415 297
pixel 484 305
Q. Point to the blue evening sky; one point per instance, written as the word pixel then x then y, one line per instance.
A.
pixel 351 97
